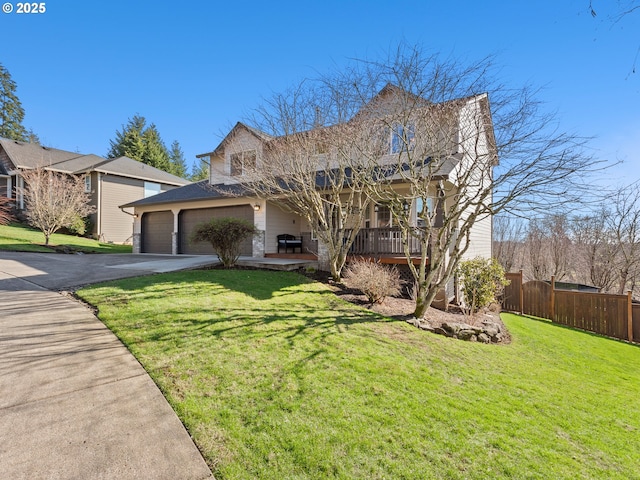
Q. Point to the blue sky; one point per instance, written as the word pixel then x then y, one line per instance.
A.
pixel 195 68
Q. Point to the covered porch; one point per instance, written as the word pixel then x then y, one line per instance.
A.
pixel 380 244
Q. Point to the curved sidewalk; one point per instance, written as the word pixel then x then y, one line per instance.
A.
pixel 74 403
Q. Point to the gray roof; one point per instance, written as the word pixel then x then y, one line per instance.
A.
pixel 30 155
pixel 201 190
pixel 265 137
pixel 126 167
pixel 77 165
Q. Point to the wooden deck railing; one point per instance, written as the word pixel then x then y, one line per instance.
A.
pixel 382 241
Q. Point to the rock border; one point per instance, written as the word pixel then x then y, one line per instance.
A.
pixel 487 331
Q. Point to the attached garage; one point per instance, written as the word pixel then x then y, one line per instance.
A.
pixel 157 230
pixel 188 219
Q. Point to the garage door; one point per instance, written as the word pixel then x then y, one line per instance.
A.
pixel 157 228
pixel 188 219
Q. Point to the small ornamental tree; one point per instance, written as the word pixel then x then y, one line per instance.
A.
pixel 482 281
pixel 5 212
pixel 54 200
pixel 373 279
pixel 225 236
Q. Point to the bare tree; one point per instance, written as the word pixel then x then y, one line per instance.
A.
pixel 421 136
pixel 508 241
pixel 537 254
pixel 451 139
pixel 624 224
pixel 595 250
pixel 5 211
pixel 312 165
pixel 559 244
pixel 54 200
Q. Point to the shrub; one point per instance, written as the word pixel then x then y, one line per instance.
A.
pixel 374 280
pixel 5 211
pixel 225 235
pixel 79 226
pixel 482 280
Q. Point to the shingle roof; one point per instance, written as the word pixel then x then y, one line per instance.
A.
pixel 265 137
pixel 126 167
pixel 201 190
pixel 30 155
pixel 78 165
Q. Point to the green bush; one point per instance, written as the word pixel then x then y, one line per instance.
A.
pixel 225 236
pixel 482 280
pixel 373 279
pixel 79 227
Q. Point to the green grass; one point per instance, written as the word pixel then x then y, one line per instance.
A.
pixel 275 377
pixel 20 238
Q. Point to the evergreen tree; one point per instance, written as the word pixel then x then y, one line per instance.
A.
pixel 155 151
pixel 11 111
pixel 128 142
pixel 140 142
pixel 178 163
pixel 199 171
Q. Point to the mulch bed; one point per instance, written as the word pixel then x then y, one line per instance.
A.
pixel 402 308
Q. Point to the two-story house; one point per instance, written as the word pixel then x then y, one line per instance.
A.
pixel 164 222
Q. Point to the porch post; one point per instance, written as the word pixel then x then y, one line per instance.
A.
pixel 137 237
pixel 260 222
pixel 175 233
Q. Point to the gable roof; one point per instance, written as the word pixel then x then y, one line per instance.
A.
pixel 127 167
pixel 260 135
pixel 30 155
pixel 201 190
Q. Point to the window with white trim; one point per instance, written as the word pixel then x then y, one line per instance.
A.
pixel 242 162
pixel 403 138
pixel 87 184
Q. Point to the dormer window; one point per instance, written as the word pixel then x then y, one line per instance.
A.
pixel 242 162
pixel 403 138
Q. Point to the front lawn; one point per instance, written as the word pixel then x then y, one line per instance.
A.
pixel 21 238
pixel 275 377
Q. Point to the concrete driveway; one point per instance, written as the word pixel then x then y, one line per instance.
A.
pixel 67 272
pixel 74 403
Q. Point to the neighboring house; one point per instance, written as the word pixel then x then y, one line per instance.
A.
pixel 164 222
pixel 111 182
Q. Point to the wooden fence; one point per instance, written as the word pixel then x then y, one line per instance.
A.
pixel 611 315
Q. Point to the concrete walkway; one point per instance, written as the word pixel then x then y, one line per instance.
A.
pixel 74 403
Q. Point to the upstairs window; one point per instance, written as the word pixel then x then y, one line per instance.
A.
pixel 403 138
pixel 151 189
pixel 242 162
pixel 87 184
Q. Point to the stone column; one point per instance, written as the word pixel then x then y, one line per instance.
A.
pixel 324 263
pixel 260 222
pixel 258 244
pixel 175 234
pixel 137 236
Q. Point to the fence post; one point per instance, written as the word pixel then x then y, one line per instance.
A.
pixel 552 310
pixel 521 295
pixel 630 315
